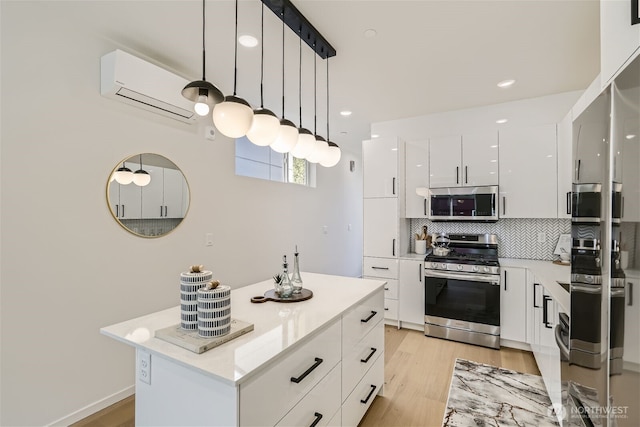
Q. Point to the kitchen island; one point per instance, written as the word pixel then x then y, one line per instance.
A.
pixel 319 360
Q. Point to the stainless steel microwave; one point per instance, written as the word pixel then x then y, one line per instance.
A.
pixel 464 204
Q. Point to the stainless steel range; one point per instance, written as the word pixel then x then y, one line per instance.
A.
pixel 462 289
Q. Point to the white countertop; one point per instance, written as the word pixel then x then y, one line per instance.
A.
pixel 277 326
pixel 549 274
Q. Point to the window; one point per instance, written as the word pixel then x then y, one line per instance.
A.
pixel 264 163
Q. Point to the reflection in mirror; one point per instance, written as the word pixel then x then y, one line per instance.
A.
pixel 148 195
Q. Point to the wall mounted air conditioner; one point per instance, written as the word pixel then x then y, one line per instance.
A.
pixel 137 82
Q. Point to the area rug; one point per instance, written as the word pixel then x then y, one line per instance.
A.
pixel 484 395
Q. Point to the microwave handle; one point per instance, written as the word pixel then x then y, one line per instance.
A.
pixel 568 202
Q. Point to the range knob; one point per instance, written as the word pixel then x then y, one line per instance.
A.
pixel 443 265
pixel 460 267
pixel 589 279
pixel 475 268
pixel 434 265
pixel 485 269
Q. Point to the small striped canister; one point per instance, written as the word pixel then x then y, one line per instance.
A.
pixel 190 282
pixel 214 311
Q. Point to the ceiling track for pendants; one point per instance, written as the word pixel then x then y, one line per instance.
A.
pixel 296 20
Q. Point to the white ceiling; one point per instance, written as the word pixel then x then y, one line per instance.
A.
pixel 428 56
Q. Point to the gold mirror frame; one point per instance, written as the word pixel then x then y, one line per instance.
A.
pixel 151 210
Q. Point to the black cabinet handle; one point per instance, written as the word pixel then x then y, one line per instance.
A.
pixel 166 211
pixel 379 268
pixel 373 350
pixel 534 295
pixel 505 280
pixel 160 210
pixel 425 207
pixel 504 205
pixel 117 211
pixel 122 211
pixel 386 289
pixel 393 186
pixel 457 175
pixel 545 311
pixel 466 175
pixel 578 175
pixel 420 272
pixel 568 202
pixel 307 372
pixel 621 207
pixel 393 248
pixel 315 422
pixel 373 313
pixel 373 388
pixel 630 303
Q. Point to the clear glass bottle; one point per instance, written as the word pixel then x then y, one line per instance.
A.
pixel 296 279
pixel 286 287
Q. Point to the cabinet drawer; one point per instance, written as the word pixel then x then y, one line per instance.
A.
pixel 363 394
pixel 391 289
pixel 391 309
pixel 358 321
pixel 266 398
pixel 357 360
pixel 321 403
pixel 380 267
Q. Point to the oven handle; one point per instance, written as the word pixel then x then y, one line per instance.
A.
pixel 587 289
pixel 488 278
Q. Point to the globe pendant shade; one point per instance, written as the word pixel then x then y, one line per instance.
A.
pixel 319 150
pixel 233 116
pixel 141 178
pixel 287 137
pixel 332 156
pixel 305 144
pixel 264 127
pixel 124 176
pixel 204 94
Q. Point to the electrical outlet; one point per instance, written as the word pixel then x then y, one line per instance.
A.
pixel 208 239
pixel 542 237
pixel 144 366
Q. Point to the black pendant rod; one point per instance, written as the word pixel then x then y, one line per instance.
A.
pixel 262 56
pixel 327 99
pixel 300 78
pixel 235 60
pixel 203 51
pixel 289 14
pixel 315 95
pixel 283 64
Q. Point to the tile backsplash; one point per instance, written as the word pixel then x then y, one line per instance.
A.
pixel 517 237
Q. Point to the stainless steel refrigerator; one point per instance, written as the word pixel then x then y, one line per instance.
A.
pixel 599 337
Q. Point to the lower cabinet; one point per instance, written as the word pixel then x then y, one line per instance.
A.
pixel 357 403
pixel 513 304
pixel 411 288
pixel 385 269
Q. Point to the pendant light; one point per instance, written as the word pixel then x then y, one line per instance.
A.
pixel 265 126
pixel 306 140
pixel 288 135
pixel 333 153
pixel 234 115
pixel 320 146
pixel 141 177
pixel 124 175
pixel 203 93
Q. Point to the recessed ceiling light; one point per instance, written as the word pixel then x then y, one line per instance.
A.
pixel 506 83
pixel 248 40
pixel 370 33
pixel 345 113
pixel 630 136
pixel 501 121
pixel 374 135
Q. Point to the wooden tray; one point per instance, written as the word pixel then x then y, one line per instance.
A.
pixel 271 295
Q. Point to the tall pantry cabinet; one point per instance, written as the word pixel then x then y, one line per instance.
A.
pixel 382 173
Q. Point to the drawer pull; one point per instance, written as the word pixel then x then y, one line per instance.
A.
pixel 373 350
pixel 307 372
pixel 315 422
pixel 373 313
pixel 386 289
pixel 373 388
pixel 379 268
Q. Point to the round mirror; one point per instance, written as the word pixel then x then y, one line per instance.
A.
pixel 148 195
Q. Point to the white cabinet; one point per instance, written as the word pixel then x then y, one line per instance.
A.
pixel 126 200
pixel 416 175
pixel 513 304
pixel 467 160
pixel 411 280
pixel 630 161
pixel 152 193
pixel 619 40
pixel 163 197
pixel 380 227
pixel 631 321
pixel 528 172
pixel 172 194
pixel 380 167
pixel 564 146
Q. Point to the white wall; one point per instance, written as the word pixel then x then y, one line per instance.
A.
pixel 68 268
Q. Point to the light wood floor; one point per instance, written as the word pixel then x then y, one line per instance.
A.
pixel 417 376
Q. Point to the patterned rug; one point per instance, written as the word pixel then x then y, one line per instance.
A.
pixel 484 395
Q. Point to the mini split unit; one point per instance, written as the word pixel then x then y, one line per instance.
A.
pixel 137 82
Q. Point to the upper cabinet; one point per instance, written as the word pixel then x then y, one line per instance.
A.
pixel 467 160
pixel 619 39
pixel 564 166
pixel 380 167
pixel 590 135
pixel 416 176
pixel 528 172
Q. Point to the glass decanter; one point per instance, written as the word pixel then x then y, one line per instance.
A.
pixel 285 287
pixel 296 279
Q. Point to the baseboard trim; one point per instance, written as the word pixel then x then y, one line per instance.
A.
pixel 94 407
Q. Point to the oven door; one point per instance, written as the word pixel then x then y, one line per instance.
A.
pixel 462 297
